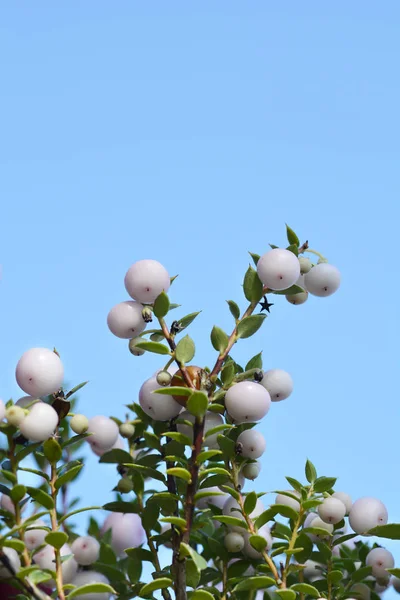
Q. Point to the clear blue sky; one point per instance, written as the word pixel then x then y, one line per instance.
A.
pixel 190 133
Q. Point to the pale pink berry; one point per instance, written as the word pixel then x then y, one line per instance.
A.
pixel 345 498
pixel 396 584
pixel 232 509
pixel 366 513
pixel 88 577
pixel 311 571
pixel 104 432
pixel 287 501
pixel 34 538
pixel 212 420
pixel 157 406
pixel 45 558
pixel 86 550
pixel 39 372
pixel 7 504
pixel 380 559
pixel 362 591
pixel 2 410
pixel 323 280
pixel 125 319
pixel 126 531
pixel 216 497
pixel 119 445
pixel 15 562
pixel 332 510
pixel 40 423
pixel 146 279
pixel 320 524
pixel 247 401
pixel 278 269
pixel 248 549
pixel 252 443
pixel 278 383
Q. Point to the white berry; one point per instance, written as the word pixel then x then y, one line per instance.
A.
pixel 305 265
pixel 278 383
pixel 79 424
pixel 252 442
pixel 311 570
pixel 251 470
pixel 380 559
pixel 366 513
pixel 126 531
pixel 7 504
pixel 287 501
pixel 232 509
pixel 86 550
pixel 87 577
pixel 345 498
pixel 396 584
pixel 15 415
pixel 234 542
pixel 332 510
pixel 278 269
pixel 2 410
pixel 40 423
pixel 125 319
pixel 104 432
pixel 133 346
pixel 247 401
pixel 212 420
pixel 158 406
pixel 297 299
pixel 34 538
pixel 323 280
pixel 39 372
pixel 15 562
pixel 248 549
pixel 146 279
pixel 45 558
pixel 119 445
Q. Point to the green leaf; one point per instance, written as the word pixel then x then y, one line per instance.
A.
pixel 255 257
pixel 27 450
pixel 180 473
pixel 250 503
pixel 255 362
pixel 304 542
pixel 154 347
pixel 258 542
pixel 76 389
pixel 185 350
pixel 116 456
pixel 249 326
pixel 391 531
pixel 91 588
pixel 186 550
pixel 306 588
pixel 41 497
pixel 335 576
pixel 395 572
pixel 119 506
pixel 207 454
pixel 291 236
pixel 173 390
pixel 140 554
pixel 266 516
pixel 177 521
pixel 161 305
pixel 293 248
pixel 52 450
pixel 286 594
pixel 15 544
pixel 307 504
pixel 343 538
pixel 252 286
pixel 286 511
pixel 235 310
pixel 57 539
pixel 75 439
pixel 219 339
pixel 214 471
pixel 233 521
pixel 150 515
pixel 228 373
pixel 9 476
pixel 361 574
pixel 197 404
pixel 17 493
pixel 201 595
pixel 217 429
pixel 187 320
pixel 296 485
pixel 311 472
pixel 324 484
pixel 193 574
pixel 67 476
pixel 254 583
pixel 227 445
pixel 178 437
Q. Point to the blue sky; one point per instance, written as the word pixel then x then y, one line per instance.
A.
pixel 190 133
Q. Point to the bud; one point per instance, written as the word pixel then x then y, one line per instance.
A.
pixel 79 424
pixel 164 378
pixel 15 415
pixel 305 265
pixel 147 314
pixel 126 430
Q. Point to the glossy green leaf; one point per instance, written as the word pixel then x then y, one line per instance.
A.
pixel 173 390
pixel 255 362
pixel 219 339
pixel 177 521
pixel 235 310
pixel 186 550
pixel 154 347
pixel 232 521
pixel 52 450
pixel 294 289
pixel 116 456
pixel 207 455
pixel 324 484
pixel 180 473
pixel 252 286
pixel 91 588
pixel 286 594
pixel 258 542
pixel 178 437
pixel 310 471
pixel 202 595
pixel 120 506
pixel 17 493
pixel 255 257
pixel 41 497
pixel 185 350
pixel 15 544
pixel 67 476
pixel 291 236
pixel 360 574
pixel 250 503
pixel 391 531
pixel 187 320
pixel 57 539
pixel 161 305
pixel 197 404
pixel 250 325
pixel 254 583
pixel 306 588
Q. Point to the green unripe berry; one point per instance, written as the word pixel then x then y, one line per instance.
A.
pixel 125 485
pixel 126 430
pixel 133 348
pixel 305 265
pixel 164 378
pixel 79 424
pixel 15 415
pixel 251 471
pixel 299 298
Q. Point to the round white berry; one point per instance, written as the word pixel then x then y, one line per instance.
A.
pixel 146 279
pixel 380 559
pixel 332 510
pixel 15 415
pixel 345 498
pixel 7 504
pixel 232 509
pixel 39 372
pixel 278 269
pixel 119 445
pixel 40 423
pixel 104 432
pixel 86 550
pixel 79 424
pixel 252 442
pixel 305 265
pixel 2 410
pixel 247 401
pixel 287 501
pixel 45 558
pixel 126 531
pixel 248 549
pixel 278 383
pixel 311 571
pixel 88 577
pixel 215 497
pixel 362 590
pixel 396 584
pixel 251 470
pixel 234 542
pixel 34 538
pixel 15 562
pixel 323 280
pixel 133 346
pixel 125 319
pixel 157 406
pixel 320 524
pixel 212 420
pixel 366 513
